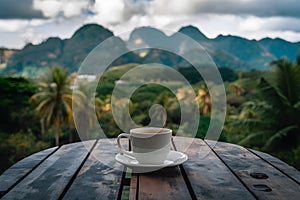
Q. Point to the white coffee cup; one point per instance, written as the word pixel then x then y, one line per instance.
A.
pixel 150 145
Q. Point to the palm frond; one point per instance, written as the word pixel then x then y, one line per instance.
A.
pixel 43 105
pixel 273 95
pixel 278 136
pixel 248 122
pixel 297 106
pixel 255 139
pixel 68 108
pixel 288 79
pixel 38 97
pixel 49 113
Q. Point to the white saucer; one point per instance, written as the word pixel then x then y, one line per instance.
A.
pixel 174 158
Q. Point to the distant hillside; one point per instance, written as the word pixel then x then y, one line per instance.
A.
pixel 227 51
pixel 54 51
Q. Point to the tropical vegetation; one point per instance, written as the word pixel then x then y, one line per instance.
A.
pixel 262 109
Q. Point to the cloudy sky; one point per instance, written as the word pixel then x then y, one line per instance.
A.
pixel 23 21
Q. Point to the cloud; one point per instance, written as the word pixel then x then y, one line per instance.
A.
pixel 18 9
pixel 250 27
pixel 109 12
pixel 118 11
pixel 261 8
pixel 12 25
pixel 65 8
pixel 283 24
pixel 253 19
pixel 244 15
pixel 15 33
pixel 30 9
pixel 29 35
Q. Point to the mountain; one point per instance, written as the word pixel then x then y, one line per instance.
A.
pixel 250 52
pixel 150 44
pixel 46 53
pixel 279 47
pixel 146 45
pixel 240 53
pixel 193 32
pixel 83 41
pixel 68 53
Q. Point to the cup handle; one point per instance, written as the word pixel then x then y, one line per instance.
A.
pixel 123 135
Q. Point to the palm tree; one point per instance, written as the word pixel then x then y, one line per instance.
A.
pixel 249 119
pixel 284 98
pixel 279 115
pixel 53 101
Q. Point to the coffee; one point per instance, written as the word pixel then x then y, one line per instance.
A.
pixel 150 130
pixel 150 145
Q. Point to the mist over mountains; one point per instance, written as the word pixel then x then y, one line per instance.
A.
pixel 226 51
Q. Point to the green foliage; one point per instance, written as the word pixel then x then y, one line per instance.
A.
pixel 148 93
pixel 115 73
pixel 203 127
pixel 271 122
pixel 191 74
pixel 36 55
pixel 290 156
pixel 17 146
pixel 296 152
pixel 104 89
pixel 108 125
pixel 87 111
pixel 263 109
pixel 53 101
pixel 228 75
pixel 54 96
pixel 15 111
pixel 277 138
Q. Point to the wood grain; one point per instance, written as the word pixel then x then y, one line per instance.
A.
pixel 100 176
pixel 209 177
pixel 242 162
pixel 19 170
pixel 50 178
pixel 134 187
pixel 221 171
pixel 280 165
pixel 166 183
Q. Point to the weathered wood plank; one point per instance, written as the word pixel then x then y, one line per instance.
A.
pixel 50 178
pixel 243 163
pixel 279 164
pixel 166 183
pixel 100 177
pixel 207 174
pixel 19 170
pixel 133 192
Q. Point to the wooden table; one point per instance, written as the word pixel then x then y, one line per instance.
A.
pixel 227 172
